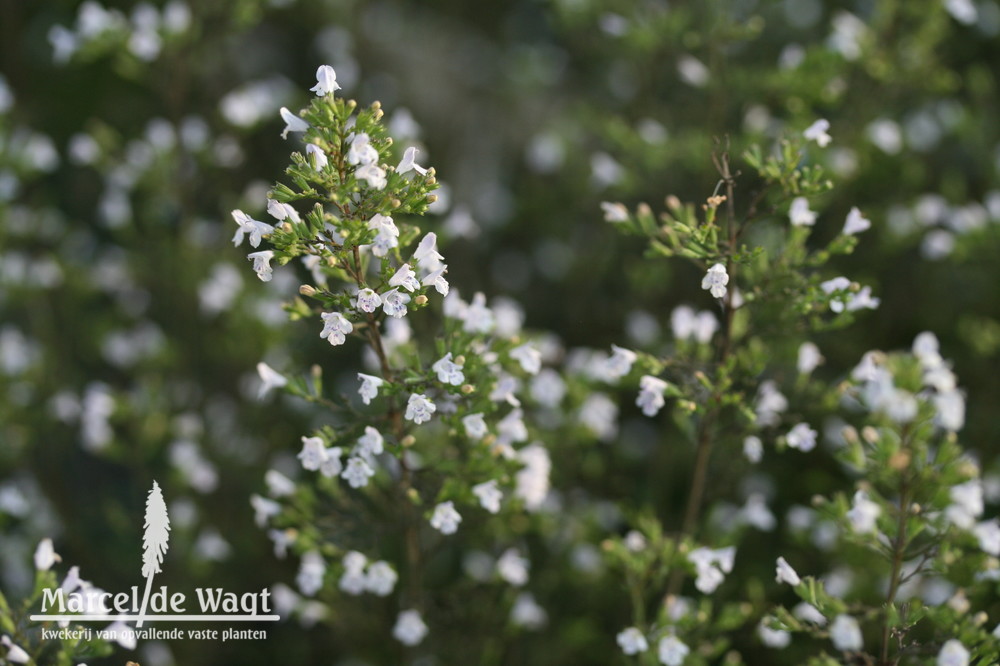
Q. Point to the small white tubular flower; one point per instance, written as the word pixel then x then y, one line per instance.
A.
pixel 437 280
pixel 784 573
pixel 950 408
pixel 312 569
pixel 809 613
pixel 352 581
pixel 371 443
pixel 863 300
pixel 631 641
pixel 405 278
pixel 614 212
pixel 477 317
pixel 247 225
pixel 836 284
pixel 15 653
pixel 818 132
pixel 331 467
pixel 408 163
pixel 368 300
pixel 263 510
pixel 967 504
pixel 361 150
pixel 357 472
pixel 511 428
pixel 410 628
pixel 445 518
pixel 336 327
pixel 387 236
pixel 489 495
pixel 771 403
pixel 863 513
pixel 715 281
pixel 671 651
pixel 269 379
pixel 380 579
pixel 753 449
pixel 419 408
pixel 650 398
pixel 773 638
pixel 369 387
pixel 292 122
pixel 394 303
pixel 620 362
pixel 532 481
pixel 527 613
pixel 846 634
pixel 953 653
pixel 373 174
pixel 326 81
pixel 475 426
pixel 855 223
pixel 316 156
pixel 711 566
pixel 448 372
pixel 801 437
pixel 513 568
pixel 988 534
pixel 45 555
pixel 528 356
pixel 799 214
pixel 281 211
pixel 426 255
pixel 262 264
pixel 313 453
pixel 809 358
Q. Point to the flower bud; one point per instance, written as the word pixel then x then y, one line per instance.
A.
pixel 870 434
pixel 460 359
pixel 850 434
pixel 431 198
pixel 468 388
pixel 420 300
pixel 408 441
pixel 286 227
pixel 395 203
pixel 307 290
pixel 673 203
pixel 899 460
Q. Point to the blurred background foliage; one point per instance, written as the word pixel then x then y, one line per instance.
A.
pixel 130 327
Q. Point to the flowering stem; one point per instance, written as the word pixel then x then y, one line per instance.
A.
pixel 898 555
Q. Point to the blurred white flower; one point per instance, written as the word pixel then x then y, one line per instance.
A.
pixel 818 132
pixel 326 81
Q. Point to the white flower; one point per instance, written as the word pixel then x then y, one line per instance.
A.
pixel 950 408
pixel 394 303
pixel 408 164
pixel 614 212
pixel 357 472
pixel 361 150
pixel 368 300
pixel 753 449
pixel 331 467
pixel 786 574
pixel 773 638
pixel 248 225
pixel 380 579
pixel 953 653
pixel 352 581
pixel 801 437
pixel 374 175
pixel 477 317
pixel 836 284
pixel 528 356
pixel 818 132
pixel 855 223
pixel 262 264
pixel 45 555
pixel 335 327
pixel 809 358
pixel 436 280
pixel 715 281
pixel 599 414
pixel 799 213
pixel 263 509
pixel 548 388
pixel 419 408
pixel 292 123
pixel 445 518
pixel 371 443
pixel 770 403
pixel 15 653
pixel 967 504
pixel 527 613
pixel 316 156
pixel 281 211
pixel 475 426
pixel 988 534
pixel 620 362
pixel 369 387
pixel 405 278
pixel 863 513
pixel 410 628
pixel 650 398
pixel 631 641
pixel 426 255
pixel 313 453
pixel 711 566
pixel 532 481
pixel 448 372
pixel 387 236
pixel 755 512
pixel 863 300
pixel 269 379
pixel 671 651
pixel 326 81
pixel 489 495
pixel 311 572
pixel 809 613
pixel 511 428
pixel 846 634
pixel 513 568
